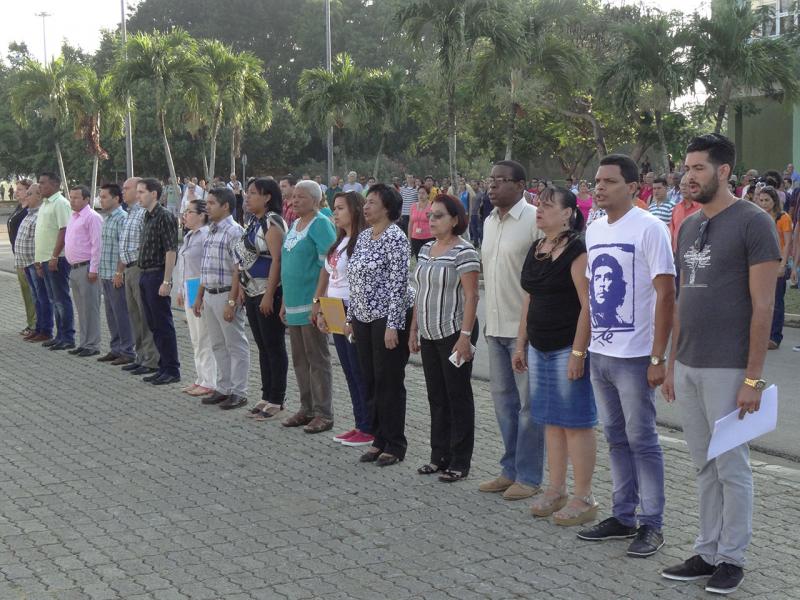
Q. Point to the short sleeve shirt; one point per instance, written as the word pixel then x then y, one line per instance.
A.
pixel 159 236
pixel 440 295
pixel 54 214
pixel 302 256
pixel 715 308
pixel 336 266
pixel 109 252
pixel 624 258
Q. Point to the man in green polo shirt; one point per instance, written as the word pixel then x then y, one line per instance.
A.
pixel 51 227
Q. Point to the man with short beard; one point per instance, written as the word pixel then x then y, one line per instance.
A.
pixel 729 256
pixel 129 273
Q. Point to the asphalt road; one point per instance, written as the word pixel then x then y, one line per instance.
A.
pixel 781 369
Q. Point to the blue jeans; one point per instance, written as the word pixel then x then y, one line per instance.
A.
pixel 44 311
pixel 776 331
pixel 523 439
pixel 476 230
pixel 359 392
pixel 57 285
pixel 627 408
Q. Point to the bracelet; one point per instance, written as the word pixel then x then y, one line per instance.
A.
pixel 579 354
pixel 520 352
pixel 169 283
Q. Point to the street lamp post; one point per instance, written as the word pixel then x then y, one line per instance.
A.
pixel 328 65
pixel 128 131
pixel 44 15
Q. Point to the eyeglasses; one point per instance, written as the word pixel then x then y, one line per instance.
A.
pixel 702 237
pixel 500 180
pixel 435 216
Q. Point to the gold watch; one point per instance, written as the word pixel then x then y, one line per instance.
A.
pixel 756 384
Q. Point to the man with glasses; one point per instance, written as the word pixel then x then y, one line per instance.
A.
pixel 509 231
pixel 729 256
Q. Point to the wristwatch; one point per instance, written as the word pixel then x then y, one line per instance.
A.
pixel 315 301
pixel 231 302
pixel 756 384
pixel 657 360
pixel 169 283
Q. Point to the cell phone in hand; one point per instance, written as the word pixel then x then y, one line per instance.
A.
pixel 457 360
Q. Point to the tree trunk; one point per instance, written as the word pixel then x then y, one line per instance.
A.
pixel 724 99
pixel 599 136
pixel 95 163
pixel 378 157
pixel 60 159
pixel 511 126
pixel 662 141
pixel 212 158
pixel 205 162
pixel 451 133
pixel 638 151
pixel 580 167
pixel 233 149
pixel 173 177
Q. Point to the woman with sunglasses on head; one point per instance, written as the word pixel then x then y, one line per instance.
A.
pixel 552 345
pixel 769 200
pixel 444 324
pixel 259 256
pixel 190 256
pixel 348 217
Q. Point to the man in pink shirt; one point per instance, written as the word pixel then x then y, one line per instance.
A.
pixel 680 211
pixel 82 250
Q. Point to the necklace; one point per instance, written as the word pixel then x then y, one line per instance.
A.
pixel 555 243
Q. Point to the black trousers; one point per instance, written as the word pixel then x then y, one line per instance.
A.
pixel 384 372
pixel 452 406
pixel 158 313
pixel 269 332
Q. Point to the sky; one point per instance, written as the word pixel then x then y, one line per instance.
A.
pixel 80 21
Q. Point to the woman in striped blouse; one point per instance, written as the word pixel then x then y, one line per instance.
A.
pixel 444 326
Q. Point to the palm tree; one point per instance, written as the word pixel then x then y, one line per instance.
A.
pixel 455 27
pixel 168 63
pixel 237 92
pixel 52 92
pixel 334 99
pixel 548 56
pixel 387 99
pixel 727 56
pixel 649 69
pixel 100 101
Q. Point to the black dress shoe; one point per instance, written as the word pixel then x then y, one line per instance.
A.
pixel 233 401
pixel 214 398
pixel 75 351
pixel 132 367
pixel 108 357
pixel 51 342
pixel 369 456
pixel 86 352
pixel 385 460
pixel 153 377
pixel 166 379
pixel 143 371
pixel 63 346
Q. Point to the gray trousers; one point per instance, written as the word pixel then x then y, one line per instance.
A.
pixel 86 298
pixel 146 353
pixel 119 325
pixel 724 484
pixel 311 359
pixel 228 343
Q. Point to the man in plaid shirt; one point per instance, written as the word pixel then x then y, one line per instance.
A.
pixel 24 258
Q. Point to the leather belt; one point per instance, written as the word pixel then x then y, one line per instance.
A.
pixel 80 264
pixel 220 290
pixel 133 263
pixel 153 269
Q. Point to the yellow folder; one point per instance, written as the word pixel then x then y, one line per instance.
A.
pixel 333 311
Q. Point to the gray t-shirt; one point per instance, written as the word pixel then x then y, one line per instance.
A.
pixel 714 304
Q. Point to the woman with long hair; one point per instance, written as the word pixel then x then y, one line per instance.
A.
pixel 348 217
pixel 552 345
pixel 190 256
pixel 769 200
pixel 258 253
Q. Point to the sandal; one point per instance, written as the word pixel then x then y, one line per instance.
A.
pixel 449 476
pixel 430 469
pixel 573 514
pixel 549 502
pixel 257 409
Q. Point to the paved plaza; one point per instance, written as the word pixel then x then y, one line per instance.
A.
pixel 112 488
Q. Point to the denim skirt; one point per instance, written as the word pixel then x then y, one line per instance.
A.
pixel 556 400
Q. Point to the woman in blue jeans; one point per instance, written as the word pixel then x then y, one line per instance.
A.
pixel 348 217
pixel 551 344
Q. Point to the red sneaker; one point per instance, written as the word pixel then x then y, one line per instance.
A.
pixel 345 436
pixel 359 439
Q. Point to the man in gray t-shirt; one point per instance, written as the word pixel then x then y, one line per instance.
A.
pixel 729 258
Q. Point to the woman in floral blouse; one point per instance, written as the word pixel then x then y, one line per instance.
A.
pixel 379 316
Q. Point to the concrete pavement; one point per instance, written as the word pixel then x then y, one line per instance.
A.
pixel 116 489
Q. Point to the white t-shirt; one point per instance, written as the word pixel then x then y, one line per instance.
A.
pixel 336 266
pixel 624 258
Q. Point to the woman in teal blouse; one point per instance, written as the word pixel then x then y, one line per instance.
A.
pixel 302 256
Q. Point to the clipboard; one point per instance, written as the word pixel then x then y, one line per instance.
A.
pixel 192 287
pixel 334 313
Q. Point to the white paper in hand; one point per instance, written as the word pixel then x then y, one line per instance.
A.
pixel 730 431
